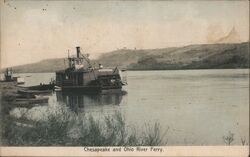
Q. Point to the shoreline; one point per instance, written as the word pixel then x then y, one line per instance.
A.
pixel 147 70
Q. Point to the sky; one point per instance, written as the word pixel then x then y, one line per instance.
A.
pixel 35 30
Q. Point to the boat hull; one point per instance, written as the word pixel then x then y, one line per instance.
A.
pixel 90 89
pixel 24 102
pixel 42 87
pixel 32 93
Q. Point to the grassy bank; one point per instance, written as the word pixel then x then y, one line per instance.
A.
pixel 64 129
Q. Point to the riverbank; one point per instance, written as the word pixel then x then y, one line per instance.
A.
pixel 7 96
pixel 63 128
pixel 8 92
pixel 60 130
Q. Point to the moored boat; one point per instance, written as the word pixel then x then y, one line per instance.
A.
pixel 8 77
pixel 23 102
pixel 42 87
pixel 81 76
pixel 31 93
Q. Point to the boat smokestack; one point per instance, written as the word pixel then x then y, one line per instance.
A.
pixel 78 51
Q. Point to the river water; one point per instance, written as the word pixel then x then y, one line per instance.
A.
pixel 198 107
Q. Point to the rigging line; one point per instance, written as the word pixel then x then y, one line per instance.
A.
pixel 88 61
pixel 85 57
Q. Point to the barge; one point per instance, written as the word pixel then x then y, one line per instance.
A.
pixel 81 76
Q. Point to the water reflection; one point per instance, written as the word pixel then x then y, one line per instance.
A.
pixel 78 101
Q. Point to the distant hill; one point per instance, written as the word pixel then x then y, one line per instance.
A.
pixel 48 65
pixel 207 56
pixel 188 57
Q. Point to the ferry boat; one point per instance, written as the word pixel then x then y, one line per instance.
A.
pixel 81 76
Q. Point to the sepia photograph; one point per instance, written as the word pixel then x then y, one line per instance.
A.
pixel 124 75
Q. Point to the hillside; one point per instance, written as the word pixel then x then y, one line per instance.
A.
pixel 48 65
pixel 188 57
pixel 208 56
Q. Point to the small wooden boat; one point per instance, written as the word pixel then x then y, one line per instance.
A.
pixel 34 92
pixel 50 86
pixel 23 102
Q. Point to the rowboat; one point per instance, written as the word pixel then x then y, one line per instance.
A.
pixel 33 92
pixel 23 102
